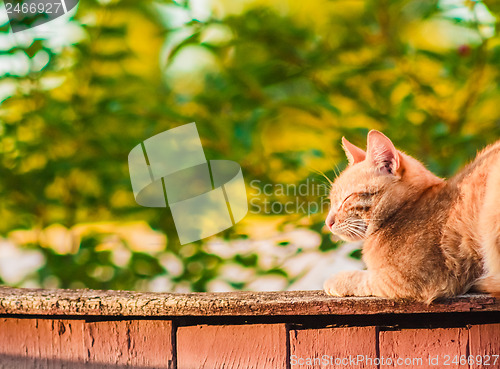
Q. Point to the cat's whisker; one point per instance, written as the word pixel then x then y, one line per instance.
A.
pixel 335 170
pixel 360 227
pixel 356 229
pixel 359 223
pixel 321 173
pixel 356 233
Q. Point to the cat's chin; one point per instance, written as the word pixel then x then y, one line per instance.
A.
pixel 346 237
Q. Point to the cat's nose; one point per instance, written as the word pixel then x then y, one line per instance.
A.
pixel 330 221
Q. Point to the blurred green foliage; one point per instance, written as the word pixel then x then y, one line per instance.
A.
pixel 271 85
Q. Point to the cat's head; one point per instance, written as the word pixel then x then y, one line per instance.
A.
pixel 375 184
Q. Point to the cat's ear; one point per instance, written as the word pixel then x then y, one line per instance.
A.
pixel 382 153
pixel 354 153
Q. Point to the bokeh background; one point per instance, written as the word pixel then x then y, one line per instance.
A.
pixel 272 85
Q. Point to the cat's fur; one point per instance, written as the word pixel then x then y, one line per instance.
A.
pixel 424 237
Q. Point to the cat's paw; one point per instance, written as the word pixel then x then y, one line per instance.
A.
pixel 341 284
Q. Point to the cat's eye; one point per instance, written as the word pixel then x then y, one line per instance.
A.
pixel 363 195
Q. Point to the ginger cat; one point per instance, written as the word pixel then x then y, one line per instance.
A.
pixel 424 237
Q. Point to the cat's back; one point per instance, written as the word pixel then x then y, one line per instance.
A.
pixel 474 187
pixel 473 193
pixel 476 172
